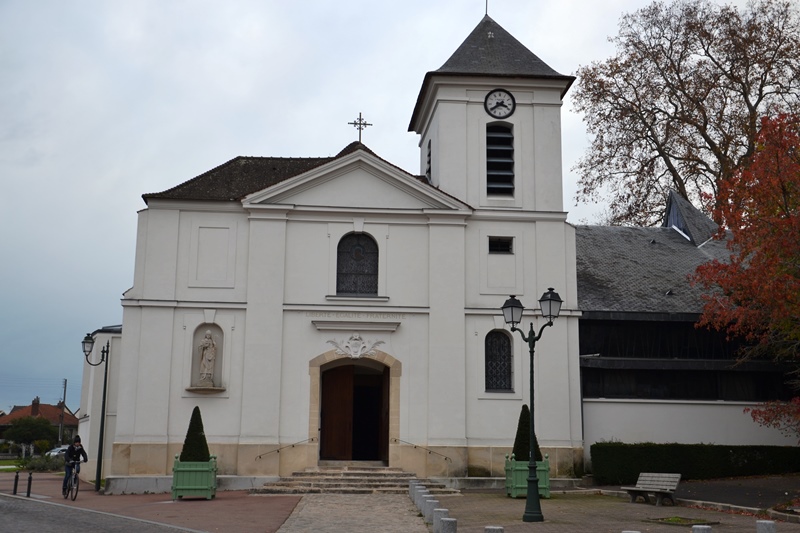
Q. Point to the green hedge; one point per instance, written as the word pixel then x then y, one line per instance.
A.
pixel 43 463
pixel 616 463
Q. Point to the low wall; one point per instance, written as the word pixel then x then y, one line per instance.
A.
pixel 163 484
pixel 683 422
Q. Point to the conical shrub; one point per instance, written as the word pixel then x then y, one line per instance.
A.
pixel 195 446
pixel 522 441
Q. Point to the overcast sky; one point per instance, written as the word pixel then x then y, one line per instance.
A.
pixel 103 101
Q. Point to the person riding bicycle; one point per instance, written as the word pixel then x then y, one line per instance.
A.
pixel 73 453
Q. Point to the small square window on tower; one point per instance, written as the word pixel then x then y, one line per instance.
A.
pixel 501 245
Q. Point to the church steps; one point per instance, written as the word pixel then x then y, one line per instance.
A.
pixel 349 481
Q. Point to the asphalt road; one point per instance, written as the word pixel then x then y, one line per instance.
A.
pixel 29 516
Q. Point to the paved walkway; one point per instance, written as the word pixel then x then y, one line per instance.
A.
pixel 581 512
pixel 336 513
pixel 587 513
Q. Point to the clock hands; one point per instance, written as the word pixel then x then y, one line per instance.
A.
pixel 499 103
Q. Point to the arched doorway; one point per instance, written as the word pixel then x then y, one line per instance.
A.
pixel 354 410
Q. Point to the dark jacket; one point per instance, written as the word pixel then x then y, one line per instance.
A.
pixel 74 454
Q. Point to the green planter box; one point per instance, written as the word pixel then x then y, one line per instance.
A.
pixel 517 477
pixel 194 479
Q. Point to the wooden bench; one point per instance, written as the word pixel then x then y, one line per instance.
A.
pixel 660 485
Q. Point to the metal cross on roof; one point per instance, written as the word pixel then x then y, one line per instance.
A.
pixel 359 124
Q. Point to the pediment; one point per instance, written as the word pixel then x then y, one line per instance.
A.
pixel 359 180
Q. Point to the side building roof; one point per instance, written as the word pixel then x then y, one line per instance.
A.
pixel 626 271
pixel 681 214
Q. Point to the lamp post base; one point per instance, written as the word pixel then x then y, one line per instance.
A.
pixel 533 508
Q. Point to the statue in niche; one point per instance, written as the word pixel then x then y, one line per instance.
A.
pixel 208 356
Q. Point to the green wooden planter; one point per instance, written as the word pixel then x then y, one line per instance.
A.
pixel 517 477
pixel 196 479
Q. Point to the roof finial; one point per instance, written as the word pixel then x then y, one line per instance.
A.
pixel 359 124
pixel 487 7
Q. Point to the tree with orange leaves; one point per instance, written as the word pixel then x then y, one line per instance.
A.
pixel 756 294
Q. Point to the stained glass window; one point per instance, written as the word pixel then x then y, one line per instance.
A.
pixel 357 265
pixel 499 368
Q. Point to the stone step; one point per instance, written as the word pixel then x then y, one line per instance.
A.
pixel 350 479
pixel 331 483
pixel 274 489
pixel 403 477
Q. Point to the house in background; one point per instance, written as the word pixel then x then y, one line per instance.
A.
pixel 341 309
pixel 58 415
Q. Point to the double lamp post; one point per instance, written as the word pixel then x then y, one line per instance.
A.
pixel 550 303
pixel 88 346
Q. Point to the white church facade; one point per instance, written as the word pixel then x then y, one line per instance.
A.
pixel 351 303
pixel 342 309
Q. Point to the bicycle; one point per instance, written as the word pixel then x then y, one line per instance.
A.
pixel 73 482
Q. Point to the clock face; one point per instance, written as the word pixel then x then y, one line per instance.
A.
pixel 499 103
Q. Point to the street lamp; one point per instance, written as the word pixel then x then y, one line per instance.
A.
pixel 88 344
pixel 550 303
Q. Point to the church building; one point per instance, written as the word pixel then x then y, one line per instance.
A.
pixel 348 308
pixel 341 309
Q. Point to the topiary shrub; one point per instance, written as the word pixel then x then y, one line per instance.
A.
pixel 522 442
pixel 195 446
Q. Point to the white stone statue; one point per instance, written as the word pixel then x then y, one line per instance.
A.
pixel 208 356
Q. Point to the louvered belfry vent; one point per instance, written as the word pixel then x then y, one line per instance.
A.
pixel 499 160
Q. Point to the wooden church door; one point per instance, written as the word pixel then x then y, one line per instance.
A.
pixel 336 433
pixel 354 414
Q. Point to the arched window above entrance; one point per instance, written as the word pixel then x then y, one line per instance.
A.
pixel 357 265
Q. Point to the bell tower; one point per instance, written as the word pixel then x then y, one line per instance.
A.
pixel 489 122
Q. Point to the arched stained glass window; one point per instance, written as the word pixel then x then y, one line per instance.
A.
pixel 357 265
pixel 499 368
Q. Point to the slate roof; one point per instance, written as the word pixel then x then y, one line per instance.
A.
pixel 245 175
pixel 646 270
pixel 639 270
pixel 491 51
pixel 687 218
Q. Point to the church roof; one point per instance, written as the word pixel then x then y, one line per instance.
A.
pixel 646 270
pixel 687 218
pixel 491 51
pixel 639 270
pixel 245 175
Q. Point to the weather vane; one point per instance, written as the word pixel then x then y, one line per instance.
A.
pixel 359 124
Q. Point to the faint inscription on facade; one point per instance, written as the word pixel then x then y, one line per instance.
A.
pixel 355 315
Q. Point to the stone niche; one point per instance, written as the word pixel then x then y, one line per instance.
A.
pixel 207 355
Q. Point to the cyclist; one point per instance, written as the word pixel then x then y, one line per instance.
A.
pixel 73 453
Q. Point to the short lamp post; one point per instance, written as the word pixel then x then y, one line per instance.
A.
pixel 550 303
pixel 88 345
